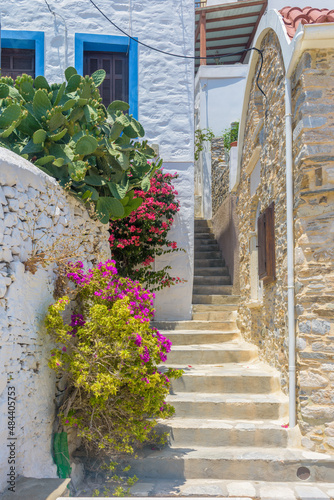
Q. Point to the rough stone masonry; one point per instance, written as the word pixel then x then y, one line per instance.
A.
pixel 265 322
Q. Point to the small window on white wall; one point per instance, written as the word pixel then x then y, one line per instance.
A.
pixel 116 83
pixel 15 62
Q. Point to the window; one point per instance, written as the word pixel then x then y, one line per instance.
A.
pixel 266 244
pixel 123 54
pixel 15 62
pixel 22 52
pixel 116 65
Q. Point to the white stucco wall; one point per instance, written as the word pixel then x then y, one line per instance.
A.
pixel 34 211
pixel 219 92
pixel 165 90
pixel 219 95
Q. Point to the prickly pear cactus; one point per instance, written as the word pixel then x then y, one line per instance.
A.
pixel 67 132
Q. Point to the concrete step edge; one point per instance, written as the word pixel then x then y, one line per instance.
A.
pixel 245 454
pixel 225 346
pixel 199 308
pixel 225 424
pixel 197 332
pixel 199 397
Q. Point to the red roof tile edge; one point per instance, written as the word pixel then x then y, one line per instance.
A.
pixel 294 16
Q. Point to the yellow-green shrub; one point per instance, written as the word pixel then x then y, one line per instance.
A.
pixel 110 354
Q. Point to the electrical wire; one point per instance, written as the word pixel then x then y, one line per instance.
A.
pixel 65 29
pixel 259 51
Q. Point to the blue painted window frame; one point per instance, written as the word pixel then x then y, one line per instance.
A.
pixel 111 43
pixel 13 39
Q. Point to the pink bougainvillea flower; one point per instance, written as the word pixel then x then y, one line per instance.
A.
pixel 137 239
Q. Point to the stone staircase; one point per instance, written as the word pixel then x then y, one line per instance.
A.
pixel 229 410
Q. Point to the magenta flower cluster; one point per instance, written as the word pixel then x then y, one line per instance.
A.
pixel 136 240
pixel 109 287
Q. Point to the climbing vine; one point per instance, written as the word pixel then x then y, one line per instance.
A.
pixel 201 136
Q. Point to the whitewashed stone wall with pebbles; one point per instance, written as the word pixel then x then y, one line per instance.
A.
pixel 40 224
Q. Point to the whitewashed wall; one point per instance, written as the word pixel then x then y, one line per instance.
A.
pixel 166 89
pixel 33 207
pixel 219 93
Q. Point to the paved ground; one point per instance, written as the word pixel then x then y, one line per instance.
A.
pixel 247 490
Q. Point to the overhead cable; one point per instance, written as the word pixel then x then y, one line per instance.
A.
pixel 259 51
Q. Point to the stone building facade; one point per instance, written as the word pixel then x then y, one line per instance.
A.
pixel 313 114
pixel 219 174
pixel 262 317
pixel 263 313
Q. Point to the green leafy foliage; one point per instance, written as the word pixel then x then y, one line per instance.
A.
pixel 65 130
pixel 110 354
pixel 201 136
pixel 138 238
pixel 230 135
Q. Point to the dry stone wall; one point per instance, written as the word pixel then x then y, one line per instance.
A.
pixel 313 115
pixel 36 215
pixel 219 174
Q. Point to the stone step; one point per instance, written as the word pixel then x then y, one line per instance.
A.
pixel 211 280
pixel 209 246
pixel 202 222
pixel 206 254
pixel 214 353
pixel 216 406
pixel 224 326
pixel 234 463
pixel 226 489
pixel 204 236
pixel 197 432
pixel 199 262
pixel 189 337
pixel 235 379
pixel 215 315
pixel 216 299
pixel 205 242
pixel 231 308
pixel 212 289
pixel 211 271
pixel 209 243
pixel 203 225
pixel 202 230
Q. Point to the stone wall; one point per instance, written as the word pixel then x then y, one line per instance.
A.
pixel 263 312
pixel 313 115
pixel 219 174
pixel 225 226
pixel 36 215
pixel 263 320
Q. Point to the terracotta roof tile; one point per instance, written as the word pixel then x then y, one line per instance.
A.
pixel 293 16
